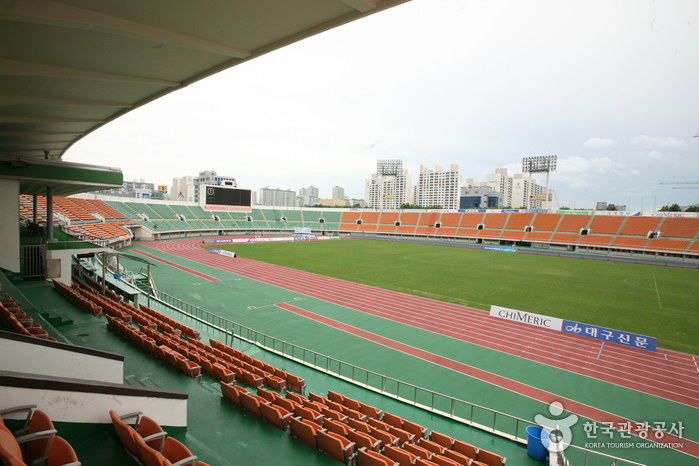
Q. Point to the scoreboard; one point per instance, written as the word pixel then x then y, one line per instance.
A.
pixel 220 196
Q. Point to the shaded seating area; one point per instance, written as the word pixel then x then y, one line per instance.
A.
pixel 36 443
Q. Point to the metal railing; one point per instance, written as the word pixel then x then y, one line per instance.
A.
pixel 490 420
pixel 496 422
pixel 32 261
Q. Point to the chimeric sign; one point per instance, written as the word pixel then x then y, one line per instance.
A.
pixel 526 317
pixel 631 340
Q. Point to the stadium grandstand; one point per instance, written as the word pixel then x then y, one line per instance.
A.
pixel 114 349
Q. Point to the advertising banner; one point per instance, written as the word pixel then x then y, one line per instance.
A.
pixel 526 317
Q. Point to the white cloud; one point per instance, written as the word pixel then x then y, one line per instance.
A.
pixel 656 154
pixel 595 143
pixel 654 143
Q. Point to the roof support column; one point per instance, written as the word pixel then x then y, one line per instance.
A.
pixel 9 228
pixel 49 212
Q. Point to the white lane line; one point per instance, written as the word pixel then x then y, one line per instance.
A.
pixel 656 290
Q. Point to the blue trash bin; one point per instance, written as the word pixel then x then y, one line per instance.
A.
pixel 535 446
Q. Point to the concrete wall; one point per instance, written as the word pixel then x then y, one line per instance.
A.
pixel 9 230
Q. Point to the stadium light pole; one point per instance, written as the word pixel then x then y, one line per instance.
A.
pixel 541 164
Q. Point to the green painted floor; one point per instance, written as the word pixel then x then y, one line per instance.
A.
pixel 220 433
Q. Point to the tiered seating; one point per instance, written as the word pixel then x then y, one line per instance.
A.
pixel 565 238
pixel 77 298
pixel 408 222
pixel 125 209
pixel 70 209
pixel 546 222
pixel 662 244
pixel 640 226
pixel 519 221
pixel 572 223
pixel 370 221
pixel 143 209
pixel 332 220
pixel 494 224
pixel 349 221
pixel 596 240
pixel 629 242
pixel 35 443
pixel 104 210
pixel 20 322
pixel 163 210
pixel 605 224
pixel 539 236
pixel 387 222
pixel 682 227
pixel 147 443
pixel 98 230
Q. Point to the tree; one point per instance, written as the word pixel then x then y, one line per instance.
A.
pixel 693 208
pixel 672 208
pixel 611 207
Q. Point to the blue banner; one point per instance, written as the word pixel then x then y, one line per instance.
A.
pixel 631 340
pixel 499 248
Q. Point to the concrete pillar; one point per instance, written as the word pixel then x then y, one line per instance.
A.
pixel 49 212
pixel 9 227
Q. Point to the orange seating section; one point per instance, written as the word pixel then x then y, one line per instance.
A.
pixel 519 221
pixel 35 443
pixel 565 238
pixel 639 226
pixel 662 244
pixel 546 222
pixel 680 227
pixel 596 240
pixel 470 220
pixel 605 225
pixel 629 242
pixel 573 223
pixel 539 236
pixel 19 321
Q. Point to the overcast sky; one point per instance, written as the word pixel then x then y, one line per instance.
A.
pixel 610 87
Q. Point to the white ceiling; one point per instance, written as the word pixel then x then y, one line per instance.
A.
pixel 67 68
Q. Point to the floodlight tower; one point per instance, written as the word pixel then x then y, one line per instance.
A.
pixel 541 164
pixel 389 167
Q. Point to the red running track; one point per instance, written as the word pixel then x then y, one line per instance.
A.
pixel 667 374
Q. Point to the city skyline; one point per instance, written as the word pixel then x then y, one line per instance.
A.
pixel 608 87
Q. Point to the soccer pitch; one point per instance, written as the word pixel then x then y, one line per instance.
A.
pixel 661 302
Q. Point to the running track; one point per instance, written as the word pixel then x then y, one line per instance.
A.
pixel 665 373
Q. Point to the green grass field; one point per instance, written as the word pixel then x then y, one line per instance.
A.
pixel 662 302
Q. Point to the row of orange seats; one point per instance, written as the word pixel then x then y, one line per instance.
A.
pixel 147 443
pixel 165 348
pixel 184 329
pixel 272 377
pixel 73 295
pixel 35 443
pixel 409 441
pixel 19 321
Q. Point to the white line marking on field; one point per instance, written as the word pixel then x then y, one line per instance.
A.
pixel 656 290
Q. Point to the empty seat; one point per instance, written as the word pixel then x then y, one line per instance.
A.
pixel 370 411
pixel 371 458
pixel 458 457
pixel 431 446
pixel 444 461
pixel 304 430
pixel 335 446
pixel 308 414
pixel 466 449
pixel 359 425
pixel 296 384
pixel 424 462
pixel 399 455
pixel 174 453
pixel 190 368
pixel 250 403
pixel 490 458
pixel 393 420
pixel 336 427
pixel 443 440
pixel 61 453
pixel 363 440
pixel 275 415
pixel 403 435
pixel 415 429
pixel 417 451
pixel 232 392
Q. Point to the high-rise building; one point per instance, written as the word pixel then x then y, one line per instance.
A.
pixel 277 197
pixel 308 196
pixel 338 192
pixel 388 191
pixel 183 189
pixel 439 187
pixel 501 183
pixel 210 178
pixel 527 193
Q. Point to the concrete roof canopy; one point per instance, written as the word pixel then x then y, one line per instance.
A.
pixel 67 68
